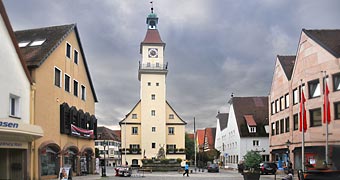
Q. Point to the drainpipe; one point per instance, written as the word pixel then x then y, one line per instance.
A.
pixel 32 121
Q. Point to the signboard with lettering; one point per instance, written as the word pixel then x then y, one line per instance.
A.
pixel 64 173
pixel 9 124
pixel 77 131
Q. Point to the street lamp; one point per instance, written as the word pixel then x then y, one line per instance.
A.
pixel 104 168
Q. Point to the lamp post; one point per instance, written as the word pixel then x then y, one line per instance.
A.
pixel 104 168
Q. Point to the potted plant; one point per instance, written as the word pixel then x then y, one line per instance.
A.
pixel 252 161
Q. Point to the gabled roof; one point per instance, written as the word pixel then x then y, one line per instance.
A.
pixel 223 120
pixel 328 39
pixel 200 137
pixel 107 134
pixel 255 106
pixel 53 36
pixel 14 41
pixel 176 113
pixel 210 134
pixel 287 63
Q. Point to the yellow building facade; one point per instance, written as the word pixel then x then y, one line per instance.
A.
pixel 63 100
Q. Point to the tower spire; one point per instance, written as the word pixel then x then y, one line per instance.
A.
pixel 151 2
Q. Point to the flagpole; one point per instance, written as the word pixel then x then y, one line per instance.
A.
pixel 303 130
pixel 326 116
pixel 195 140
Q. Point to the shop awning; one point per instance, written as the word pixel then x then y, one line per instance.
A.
pixel 12 129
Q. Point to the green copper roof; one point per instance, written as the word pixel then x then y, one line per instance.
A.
pixel 152 15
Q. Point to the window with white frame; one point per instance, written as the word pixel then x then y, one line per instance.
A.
pixel 149 83
pixel 83 92
pixel 67 83
pixel 153 113
pixel 287 101
pixel 273 108
pixel 252 129
pixel 282 103
pixel 134 130
pixel 314 88
pixel 171 116
pixel 153 145
pixel 14 109
pixel 57 77
pixel 75 56
pixel 68 50
pixel 153 129
pixel 153 96
pixel 336 82
pixel 171 130
pixel 75 88
pixel 295 96
pixel 157 84
pixel 256 143
pixel 134 116
pixel 277 103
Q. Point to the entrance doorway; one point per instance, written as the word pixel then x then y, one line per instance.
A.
pixel 13 163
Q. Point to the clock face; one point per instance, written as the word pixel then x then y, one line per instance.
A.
pixel 153 52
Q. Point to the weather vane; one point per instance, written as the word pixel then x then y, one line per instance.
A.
pixel 151 2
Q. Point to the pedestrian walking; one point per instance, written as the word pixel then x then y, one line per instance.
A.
pixel 186 169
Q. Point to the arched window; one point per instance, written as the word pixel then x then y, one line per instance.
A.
pixel 49 160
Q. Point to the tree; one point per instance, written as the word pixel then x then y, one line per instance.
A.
pixel 189 147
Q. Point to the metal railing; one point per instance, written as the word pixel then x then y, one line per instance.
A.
pixel 156 66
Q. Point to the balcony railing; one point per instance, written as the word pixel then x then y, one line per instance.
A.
pixel 130 151
pixel 153 66
pixel 175 151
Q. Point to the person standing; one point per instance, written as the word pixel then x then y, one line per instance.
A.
pixel 186 169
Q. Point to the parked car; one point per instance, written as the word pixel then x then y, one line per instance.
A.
pixel 268 168
pixel 213 168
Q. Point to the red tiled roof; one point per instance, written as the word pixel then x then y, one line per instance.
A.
pixel 152 36
pixel 210 134
pixel 250 120
pixel 200 136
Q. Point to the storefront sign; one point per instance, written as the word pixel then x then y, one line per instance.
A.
pixel 77 131
pixel 13 145
pixel 9 124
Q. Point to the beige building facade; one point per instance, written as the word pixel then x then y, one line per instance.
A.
pixel 152 126
pixel 315 65
pixel 63 98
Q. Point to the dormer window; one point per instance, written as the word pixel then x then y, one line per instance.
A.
pixel 250 123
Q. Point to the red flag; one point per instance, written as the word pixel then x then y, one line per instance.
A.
pixel 326 107
pixel 303 119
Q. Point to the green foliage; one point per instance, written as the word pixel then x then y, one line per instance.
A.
pixel 252 160
pixel 179 160
pixel 189 147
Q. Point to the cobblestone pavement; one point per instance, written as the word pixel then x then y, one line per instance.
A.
pixel 223 175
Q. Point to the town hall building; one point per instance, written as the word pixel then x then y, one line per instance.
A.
pixel 152 128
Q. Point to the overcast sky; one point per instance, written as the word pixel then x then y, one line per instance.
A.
pixel 213 47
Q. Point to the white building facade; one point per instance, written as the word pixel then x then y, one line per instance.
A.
pixel 246 129
pixel 16 131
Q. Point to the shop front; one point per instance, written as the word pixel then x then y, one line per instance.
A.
pixel 15 148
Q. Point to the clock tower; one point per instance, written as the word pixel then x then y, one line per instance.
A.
pixel 152 76
pixel 152 125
